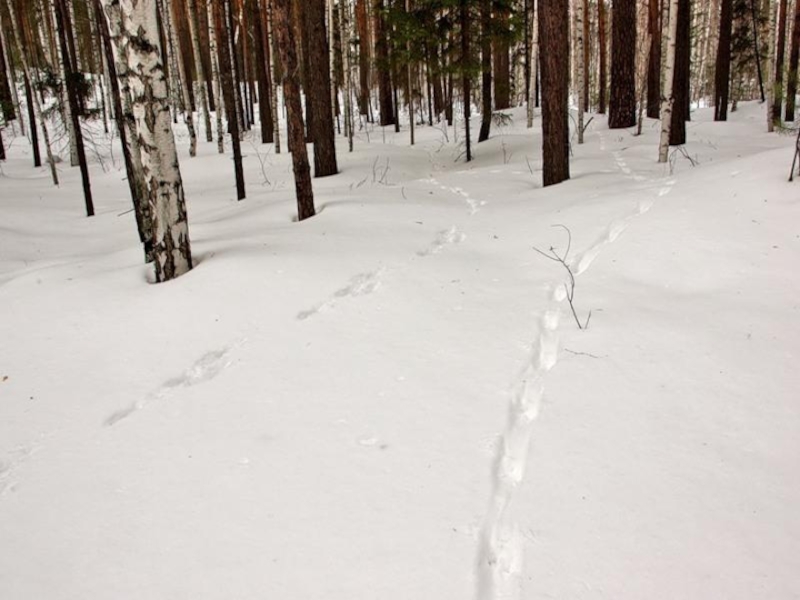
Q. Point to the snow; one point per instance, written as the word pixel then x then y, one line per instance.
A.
pixel 392 400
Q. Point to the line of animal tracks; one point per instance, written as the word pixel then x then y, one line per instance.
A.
pixel 500 555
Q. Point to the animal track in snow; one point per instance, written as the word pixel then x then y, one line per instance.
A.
pixel 359 285
pixel 205 368
pixel 500 548
pixel 10 463
pixel 443 238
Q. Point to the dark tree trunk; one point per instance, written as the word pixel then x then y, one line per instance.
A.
pixel 2 146
pixel 622 104
pixel 318 86
pixel 654 62
pixel 62 18
pixel 227 75
pixel 680 84
pixel 436 75
pixel 586 53
pixel 722 72
pixel 294 109
pixel 779 60
pixel 602 85
pixel 6 99
pixel 554 59
pixel 37 157
pixel 794 53
pixel 263 75
pixel 754 13
pixel 486 71
pixel 363 56
pixel 502 67
pixel 383 67
pixel 463 18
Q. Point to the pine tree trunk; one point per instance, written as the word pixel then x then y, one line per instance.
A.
pixel 263 74
pixel 772 10
pixel 382 66
pixel 602 86
pixel 174 42
pixel 794 54
pixel 680 83
pixel 62 15
pixel 668 99
pixel 622 104
pixel 554 39
pixel 65 66
pixel 581 67
pixel 319 87
pixel 34 105
pixel 126 125
pixel 226 72
pixel 291 89
pixel 363 56
pixel 722 73
pixel 29 101
pixel 654 62
pixel 8 103
pixel 171 247
pixel 502 70
pixel 779 61
pixel 486 70
pixel 464 21
pixel 200 92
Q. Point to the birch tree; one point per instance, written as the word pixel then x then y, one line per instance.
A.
pixel 667 99
pixel 150 100
pixel 200 87
pixel 581 66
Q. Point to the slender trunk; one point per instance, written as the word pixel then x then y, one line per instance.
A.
pixel 262 73
pixel 777 100
pixel 770 66
pixel 215 75
pixel 668 99
pixel 33 99
pixel 274 78
pixel 502 71
pixel 171 247
pixel 29 101
pixel 184 82
pixel 654 62
pixel 791 79
pixel 347 88
pixel 554 28
pixel 465 76
pixel 486 70
pixel 294 109
pixel 226 71
pixel 8 103
pixel 602 87
pixel 579 42
pixel 200 92
pixel 533 99
pixel 382 66
pixel 66 67
pixel 62 15
pixel 722 74
pixel 5 50
pixel 363 56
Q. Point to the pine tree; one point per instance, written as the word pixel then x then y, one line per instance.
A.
pixel 554 40
pixel 622 105
pixel 723 69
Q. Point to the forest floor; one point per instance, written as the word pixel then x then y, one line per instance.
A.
pixel 393 400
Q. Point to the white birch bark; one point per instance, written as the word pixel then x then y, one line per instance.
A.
pixel 37 107
pixel 276 134
pixel 200 87
pixel 148 85
pixel 580 66
pixel 667 98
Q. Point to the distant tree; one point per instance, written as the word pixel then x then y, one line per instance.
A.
pixel 794 53
pixel 779 62
pixel 602 87
pixel 554 41
pixel 622 106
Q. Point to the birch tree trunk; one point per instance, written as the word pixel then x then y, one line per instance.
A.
pixel 667 100
pixel 772 10
pixel 219 103
pixel 34 98
pixel 148 85
pixel 14 110
pixel 274 80
pixel 534 58
pixel 347 92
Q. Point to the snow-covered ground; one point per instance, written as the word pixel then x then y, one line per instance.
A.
pixel 392 400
